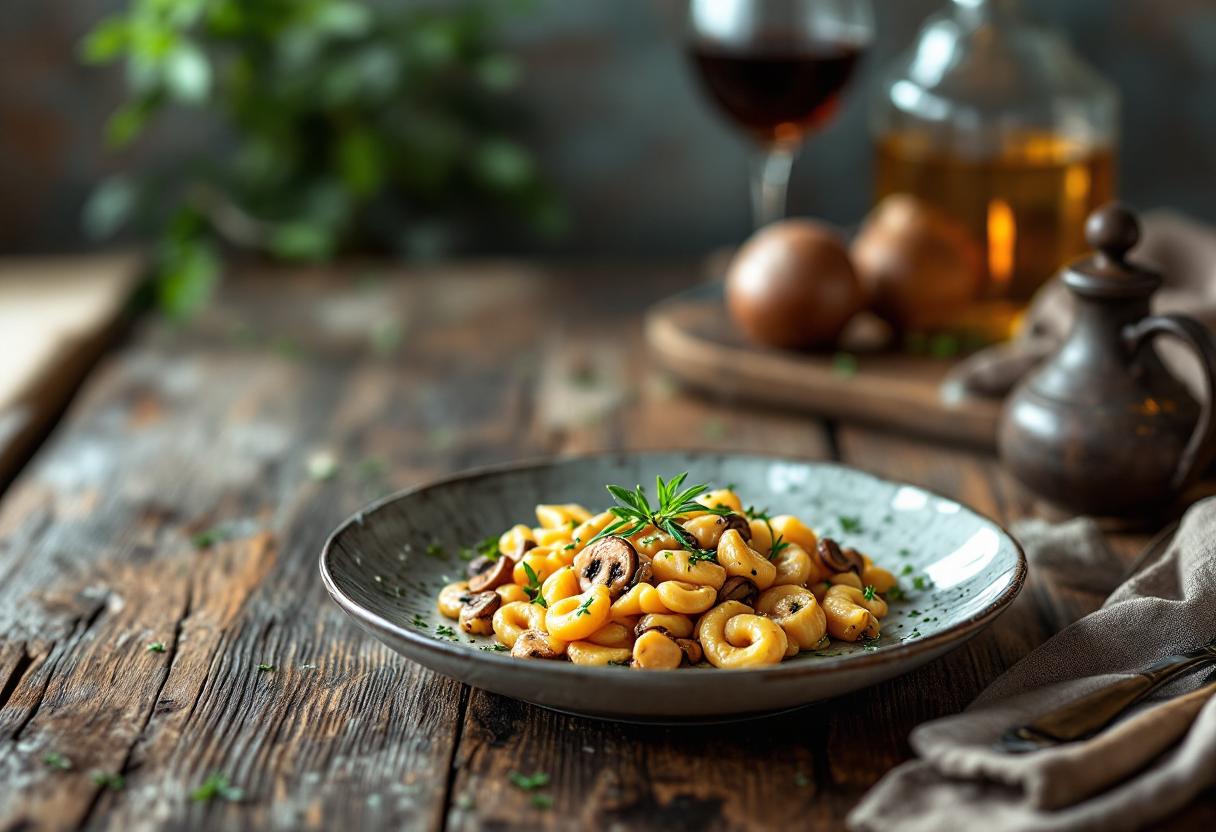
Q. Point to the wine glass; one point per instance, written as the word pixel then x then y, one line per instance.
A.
pixel 777 67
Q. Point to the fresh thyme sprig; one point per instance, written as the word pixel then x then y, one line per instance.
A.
pixel 779 541
pixel 636 513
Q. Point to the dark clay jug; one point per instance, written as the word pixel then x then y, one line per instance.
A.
pixel 1102 427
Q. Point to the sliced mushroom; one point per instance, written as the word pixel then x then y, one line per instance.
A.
pixel 739 589
pixel 642 575
pixel 644 627
pixel 739 523
pixel 534 644
pixel 835 559
pixel 692 650
pixel 494 574
pixel 610 562
pixel 477 615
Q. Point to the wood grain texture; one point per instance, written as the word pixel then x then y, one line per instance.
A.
pixel 397 378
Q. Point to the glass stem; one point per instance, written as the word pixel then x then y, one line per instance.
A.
pixel 770 181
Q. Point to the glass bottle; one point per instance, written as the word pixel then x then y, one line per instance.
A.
pixel 992 118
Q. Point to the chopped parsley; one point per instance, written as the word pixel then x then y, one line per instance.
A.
pixel 109 781
pixel 497 648
pixel 487 547
pixel 436 550
pixel 904 553
pixel 868 593
pixel 921 582
pixel 419 622
pixel 443 630
pixel 533 587
pixel 907 570
pixel 895 593
pixel 57 761
pixel 210 537
pixel 850 525
pixel 266 667
pixel 528 782
pixel 156 647
pixel 370 467
pixel 585 608
pixel 217 785
pixel 568 547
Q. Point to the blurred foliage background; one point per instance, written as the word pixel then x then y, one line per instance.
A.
pixel 609 113
pixel 346 128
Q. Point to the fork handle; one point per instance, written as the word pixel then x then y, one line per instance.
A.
pixel 1090 714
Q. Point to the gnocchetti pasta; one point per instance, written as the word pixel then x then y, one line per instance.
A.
pixel 696 580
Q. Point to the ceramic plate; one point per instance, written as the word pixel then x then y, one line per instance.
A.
pixel 386 565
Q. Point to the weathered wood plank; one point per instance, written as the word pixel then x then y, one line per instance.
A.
pixel 215 426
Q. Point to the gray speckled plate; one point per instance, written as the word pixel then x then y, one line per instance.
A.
pixel 377 567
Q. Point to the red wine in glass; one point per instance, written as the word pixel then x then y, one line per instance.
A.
pixel 778 89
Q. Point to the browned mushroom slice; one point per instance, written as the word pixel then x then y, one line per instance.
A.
pixel 610 562
pixel 642 575
pixel 739 523
pixel 739 589
pixel 534 644
pixel 644 627
pixel 494 574
pixel 837 560
pixel 858 562
pixel 477 615
pixel 692 650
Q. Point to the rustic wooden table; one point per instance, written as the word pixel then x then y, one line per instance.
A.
pixel 400 378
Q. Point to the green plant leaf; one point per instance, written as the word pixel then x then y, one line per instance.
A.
pixel 109 207
pixel 301 241
pixel 187 73
pixel 188 272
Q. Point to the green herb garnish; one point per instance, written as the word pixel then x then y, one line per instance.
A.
pixel 497 648
pixel 528 783
pixel 436 550
pixel 58 761
pixel 217 785
pixel 487 548
pixel 895 593
pixel 920 582
pixel 156 647
pixel 443 630
pixel 636 513
pixel 851 525
pixel 907 570
pixel 418 622
pixel 210 537
pixel 533 587
pixel 266 667
pixel 109 781
pixel 585 608
pixel 868 593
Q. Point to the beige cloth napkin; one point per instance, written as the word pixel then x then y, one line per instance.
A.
pixel 1146 768
pixel 1182 249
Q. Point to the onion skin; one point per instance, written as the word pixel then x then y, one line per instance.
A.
pixel 791 285
pixel 919 268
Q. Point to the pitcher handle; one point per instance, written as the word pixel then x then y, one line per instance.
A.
pixel 1200 339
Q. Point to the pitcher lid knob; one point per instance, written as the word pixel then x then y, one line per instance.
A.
pixel 1113 231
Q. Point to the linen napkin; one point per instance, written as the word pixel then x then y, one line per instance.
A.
pixel 1145 768
pixel 1182 249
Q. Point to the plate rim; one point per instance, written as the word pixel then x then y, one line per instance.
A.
pixel 372 621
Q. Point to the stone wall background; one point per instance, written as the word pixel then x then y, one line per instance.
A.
pixel 645 167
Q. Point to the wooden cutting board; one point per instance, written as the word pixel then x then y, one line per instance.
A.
pixel 695 340
pixel 57 314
